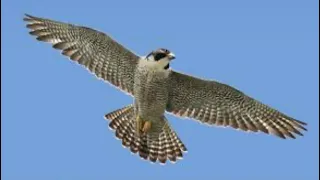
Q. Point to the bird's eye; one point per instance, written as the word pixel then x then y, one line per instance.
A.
pixel 159 56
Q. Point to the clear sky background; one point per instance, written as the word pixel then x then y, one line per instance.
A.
pixel 52 109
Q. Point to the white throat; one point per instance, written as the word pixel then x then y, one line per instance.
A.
pixel 154 65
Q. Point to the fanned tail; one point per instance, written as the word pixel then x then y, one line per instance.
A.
pixel 166 146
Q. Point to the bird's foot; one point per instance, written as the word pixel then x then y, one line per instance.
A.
pixel 146 126
pixel 142 126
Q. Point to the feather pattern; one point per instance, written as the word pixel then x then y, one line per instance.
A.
pixel 218 104
pixel 166 146
pixel 96 51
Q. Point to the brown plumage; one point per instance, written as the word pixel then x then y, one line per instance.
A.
pixel 166 146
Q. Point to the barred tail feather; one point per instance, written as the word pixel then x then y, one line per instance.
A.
pixel 166 146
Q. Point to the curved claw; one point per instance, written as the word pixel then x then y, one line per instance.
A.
pixel 146 126
pixel 142 126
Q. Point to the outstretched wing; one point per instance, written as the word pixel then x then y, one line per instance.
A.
pixel 219 104
pixel 95 50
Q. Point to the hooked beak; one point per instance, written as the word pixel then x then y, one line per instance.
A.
pixel 171 56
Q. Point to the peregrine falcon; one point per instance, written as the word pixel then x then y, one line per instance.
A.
pixel 157 89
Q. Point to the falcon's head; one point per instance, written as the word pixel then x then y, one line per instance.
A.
pixel 161 57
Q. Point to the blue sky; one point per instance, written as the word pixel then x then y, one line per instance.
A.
pixel 52 113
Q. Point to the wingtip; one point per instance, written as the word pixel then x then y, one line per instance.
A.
pixel 302 127
pixel 27 17
pixel 299 133
pixel 290 135
pixel 281 136
pixel 302 123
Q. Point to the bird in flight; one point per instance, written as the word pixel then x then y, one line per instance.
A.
pixel 157 89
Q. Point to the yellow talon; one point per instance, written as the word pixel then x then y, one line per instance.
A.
pixel 146 126
pixel 142 126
